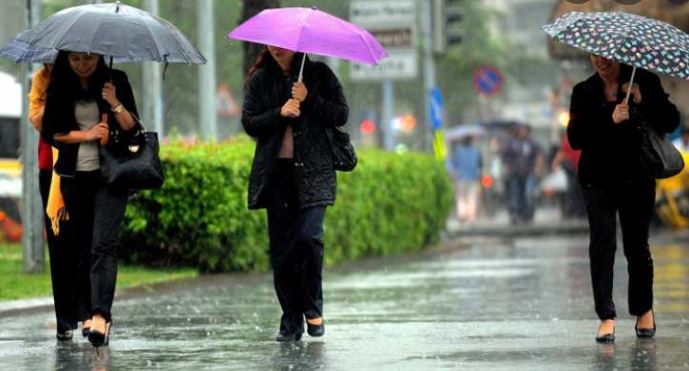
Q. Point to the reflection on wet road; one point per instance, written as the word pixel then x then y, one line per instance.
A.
pixel 495 305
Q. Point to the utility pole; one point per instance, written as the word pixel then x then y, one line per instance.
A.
pixel 32 209
pixel 207 84
pixel 388 113
pixel 152 88
pixel 428 68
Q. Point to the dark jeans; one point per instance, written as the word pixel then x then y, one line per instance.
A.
pixel 63 266
pixel 634 201
pixel 296 251
pixel 520 203
pixel 96 214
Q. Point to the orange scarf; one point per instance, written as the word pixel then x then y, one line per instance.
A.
pixel 56 209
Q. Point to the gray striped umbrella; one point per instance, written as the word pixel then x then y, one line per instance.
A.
pixel 121 32
pixel 631 39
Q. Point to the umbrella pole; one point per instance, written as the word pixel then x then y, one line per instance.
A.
pixel 629 89
pixel 301 69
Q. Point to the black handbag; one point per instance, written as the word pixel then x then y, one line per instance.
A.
pixel 659 158
pixel 344 156
pixel 132 163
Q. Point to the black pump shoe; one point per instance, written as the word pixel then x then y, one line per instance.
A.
pixel 98 339
pixel 608 338
pixel 646 333
pixel 315 330
pixel 64 335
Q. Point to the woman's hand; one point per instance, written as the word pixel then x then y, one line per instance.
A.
pixel 299 91
pixel 98 132
pixel 635 93
pixel 620 114
pixel 110 95
pixel 290 109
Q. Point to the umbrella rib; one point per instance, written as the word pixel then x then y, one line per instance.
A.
pixel 154 38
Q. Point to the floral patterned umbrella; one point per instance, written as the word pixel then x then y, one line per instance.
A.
pixel 631 39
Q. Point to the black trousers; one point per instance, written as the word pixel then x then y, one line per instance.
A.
pixel 96 215
pixel 296 251
pixel 63 266
pixel 634 202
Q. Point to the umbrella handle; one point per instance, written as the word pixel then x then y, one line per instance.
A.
pixel 301 69
pixel 629 89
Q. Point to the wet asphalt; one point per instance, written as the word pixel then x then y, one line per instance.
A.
pixel 477 304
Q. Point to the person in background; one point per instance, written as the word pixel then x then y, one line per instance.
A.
pixel 466 168
pixel 523 161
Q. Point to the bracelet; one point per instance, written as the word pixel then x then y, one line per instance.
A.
pixel 118 109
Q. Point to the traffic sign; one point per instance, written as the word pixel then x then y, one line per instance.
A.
pixel 488 81
pixel 393 24
pixel 436 109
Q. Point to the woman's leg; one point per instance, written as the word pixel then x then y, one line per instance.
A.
pixel 109 211
pixel 602 245
pixel 76 234
pixel 282 214
pixel 309 244
pixel 636 209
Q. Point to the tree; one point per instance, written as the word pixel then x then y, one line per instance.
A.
pixel 249 9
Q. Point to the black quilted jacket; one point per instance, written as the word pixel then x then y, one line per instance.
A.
pixel 325 105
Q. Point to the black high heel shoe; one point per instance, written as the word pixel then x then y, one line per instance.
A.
pixel 606 338
pixel 646 333
pixel 315 330
pixel 98 339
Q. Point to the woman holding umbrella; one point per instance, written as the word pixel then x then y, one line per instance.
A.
pixel 86 101
pixel 293 175
pixel 605 126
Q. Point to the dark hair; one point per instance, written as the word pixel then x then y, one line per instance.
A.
pixel 65 85
pixel 263 60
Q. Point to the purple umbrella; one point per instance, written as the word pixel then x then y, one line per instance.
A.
pixel 309 30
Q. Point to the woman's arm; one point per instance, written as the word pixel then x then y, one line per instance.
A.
pixel 656 106
pixel 97 132
pixel 258 120
pixel 120 97
pixel 588 123
pixel 332 107
pixel 39 85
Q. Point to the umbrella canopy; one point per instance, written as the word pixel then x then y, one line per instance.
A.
pixel 125 33
pixel 462 131
pixel 627 38
pixel 309 30
pixel 20 52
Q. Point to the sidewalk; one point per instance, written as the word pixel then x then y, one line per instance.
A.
pixel 547 221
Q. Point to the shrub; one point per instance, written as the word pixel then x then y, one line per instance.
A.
pixel 390 203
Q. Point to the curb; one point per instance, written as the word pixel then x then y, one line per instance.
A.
pixel 519 231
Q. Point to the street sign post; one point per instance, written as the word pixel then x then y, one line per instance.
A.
pixel 436 114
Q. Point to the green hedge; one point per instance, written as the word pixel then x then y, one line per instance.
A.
pixel 390 203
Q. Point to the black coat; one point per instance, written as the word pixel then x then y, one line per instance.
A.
pixel 325 105
pixel 59 119
pixel 610 153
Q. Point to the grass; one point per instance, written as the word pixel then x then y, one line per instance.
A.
pixel 15 284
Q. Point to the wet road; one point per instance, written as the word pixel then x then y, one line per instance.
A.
pixel 494 305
